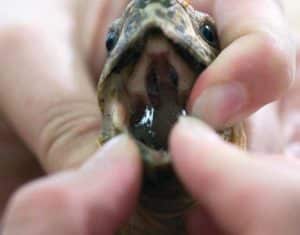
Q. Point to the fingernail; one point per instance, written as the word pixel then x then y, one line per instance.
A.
pixel 120 148
pixel 218 105
pixel 198 128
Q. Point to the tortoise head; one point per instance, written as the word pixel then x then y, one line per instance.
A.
pixel 156 51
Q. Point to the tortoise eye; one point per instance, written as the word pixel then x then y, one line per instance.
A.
pixel 111 40
pixel 208 32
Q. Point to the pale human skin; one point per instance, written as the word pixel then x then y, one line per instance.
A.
pixel 48 70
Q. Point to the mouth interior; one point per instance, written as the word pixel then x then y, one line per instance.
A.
pixel 162 78
pixel 153 120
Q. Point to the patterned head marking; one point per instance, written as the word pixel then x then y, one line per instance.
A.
pixel 144 3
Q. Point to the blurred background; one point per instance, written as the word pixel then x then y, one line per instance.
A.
pixel 292 9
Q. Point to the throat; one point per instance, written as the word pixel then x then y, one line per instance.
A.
pixel 158 88
pixel 152 121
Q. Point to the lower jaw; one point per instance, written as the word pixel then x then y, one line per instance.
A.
pixel 163 200
pixel 160 184
pixel 162 194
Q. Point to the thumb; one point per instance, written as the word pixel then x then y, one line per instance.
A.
pixel 95 199
pixel 46 93
pixel 219 176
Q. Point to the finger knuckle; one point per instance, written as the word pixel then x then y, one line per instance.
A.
pixel 68 123
pixel 278 58
pixel 19 37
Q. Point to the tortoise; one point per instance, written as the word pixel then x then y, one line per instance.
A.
pixel 156 50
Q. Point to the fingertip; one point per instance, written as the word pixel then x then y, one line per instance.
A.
pixel 202 159
pixel 217 104
pixel 189 129
pixel 117 169
pixel 120 149
pixel 191 143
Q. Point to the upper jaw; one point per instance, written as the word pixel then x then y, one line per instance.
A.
pixel 137 24
pixel 128 97
pixel 157 88
pixel 129 63
pixel 159 55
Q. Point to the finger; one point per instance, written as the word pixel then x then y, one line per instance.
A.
pixel 95 24
pixel 264 130
pixel 96 199
pixel 228 183
pixel 290 113
pixel 199 221
pixel 255 67
pixel 209 170
pixel 45 88
pixel 202 5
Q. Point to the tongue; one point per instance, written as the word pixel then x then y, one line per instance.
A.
pixel 166 114
pixel 153 122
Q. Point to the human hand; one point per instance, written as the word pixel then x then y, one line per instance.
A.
pixel 62 134
pixel 237 192
pixel 47 92
pixel 95 199
pixel 50 56
pixel 62 115
pixel 255 67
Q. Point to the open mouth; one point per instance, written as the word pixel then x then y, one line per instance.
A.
pixel 142 91
pixel 160 78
